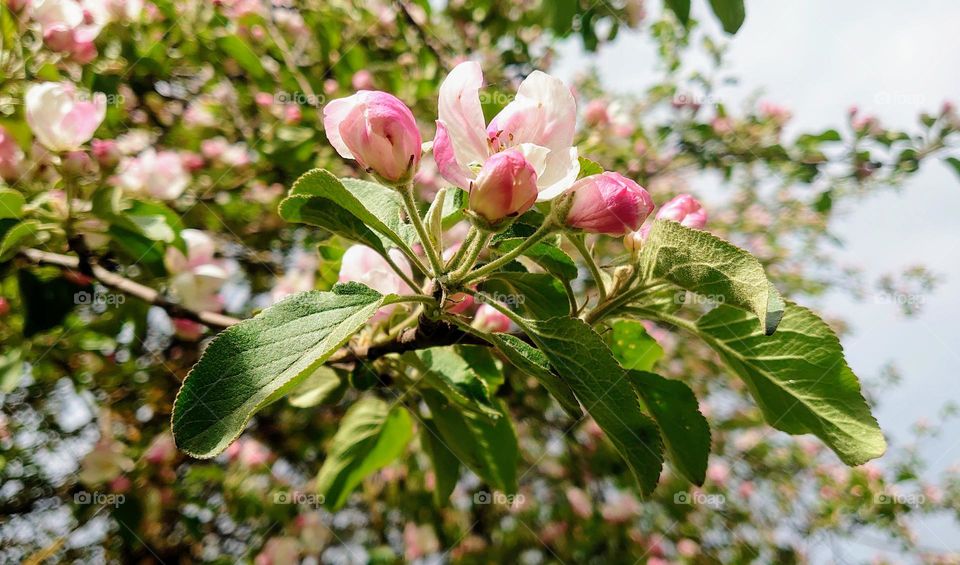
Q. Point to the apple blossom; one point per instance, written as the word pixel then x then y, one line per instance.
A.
pixel 196 277
pixel 61 118
pixel 160 174
pixel 686 210
pixel 608 203
pixel 364 265
pixel 362 80
pixel 378 131
pixel 70 26
pixel 539 123
pixel 11 156
pixel 595 114
pixel 489 319
pixel 106 152
pixel 506 186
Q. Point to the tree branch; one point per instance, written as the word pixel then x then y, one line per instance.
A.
pixel 127 286
pixel 428 333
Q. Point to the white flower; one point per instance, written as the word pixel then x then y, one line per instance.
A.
pixel 61 118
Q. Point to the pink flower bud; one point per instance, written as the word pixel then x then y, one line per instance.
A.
pixel 376 129
pixel 61 118
pixel 458 303
pixel 595 114
pixel 489 319
pixel 362 80
pixel 684 209
pixel 608 203
pixel 264 99
pixel 106 152
pixel 11 156
pixel 506 186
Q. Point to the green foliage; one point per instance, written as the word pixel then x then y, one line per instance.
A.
pixel 702 263
pixel 799 378
pixel 258 360
pixel 585 362
pixel 371 435
pixel 684 430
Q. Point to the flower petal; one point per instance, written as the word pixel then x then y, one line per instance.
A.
pixel 563 166
pixel 461 113
pixel 334 113
pixel 446 159
pixel 544 112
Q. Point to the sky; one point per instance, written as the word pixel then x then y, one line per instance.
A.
pixel 893 59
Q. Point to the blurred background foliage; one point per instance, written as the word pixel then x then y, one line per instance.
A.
pixel 87 389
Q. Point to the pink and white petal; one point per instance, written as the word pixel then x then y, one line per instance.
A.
pixel 556 109
pixel 446 159
pixel 518 122
pixel 563 166
pixel 535 155
pixel 334 113
pixel 460 110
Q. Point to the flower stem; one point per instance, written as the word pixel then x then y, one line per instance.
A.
pixel 454 261
pixel 435 264
pixel 580 243
pixel 470 256
pixel 396 269
pixel 543 231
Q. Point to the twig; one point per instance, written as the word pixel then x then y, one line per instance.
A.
pixel 135 289
pixel 427 334
pixel 429 39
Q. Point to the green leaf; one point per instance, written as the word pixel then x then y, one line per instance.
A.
pixel 633 347
pixel 323 386
pixel 11 203
pixel 533 362
pixel 434 218
pixel 799 378
pixel 588 168
pixel 682 9
pixel 152 220
pixel 954 164
pixel 246 365
pixel 454 205
pixel 487 447
pixel 358 210
pixel 370 436
pixel 707 265
pixel 19 236
pixel 446 466
pixel 11 370
pixel 581 357
pixel 446 371
pixel 238 50
pixel 550 257
pixel 731 14
pixel 539 294
pixel 685 431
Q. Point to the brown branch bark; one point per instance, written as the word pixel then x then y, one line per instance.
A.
pixel 425 335
pixel 122 284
